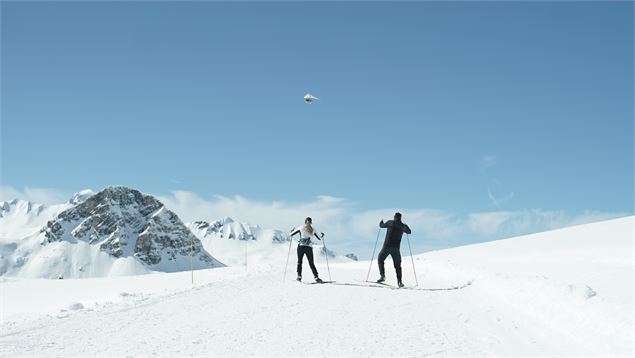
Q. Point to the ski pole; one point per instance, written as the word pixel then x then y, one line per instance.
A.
pixel 412 259
pixel 371 258
pixel 192 258
pixel 245 255
pixel 287 264
pixel 326 253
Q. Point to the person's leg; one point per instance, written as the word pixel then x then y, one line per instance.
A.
pixel 380 261
pixel 300 257
pixel 309 256
pixel 396 260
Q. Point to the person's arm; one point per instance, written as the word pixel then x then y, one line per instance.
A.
pixel 406 229
pixel 294 231
pixel 319 237
pixel 386 224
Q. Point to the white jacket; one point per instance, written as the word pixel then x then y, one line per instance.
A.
pixel 305 237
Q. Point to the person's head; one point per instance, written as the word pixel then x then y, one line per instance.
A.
pixel 307 223
pixel 397 216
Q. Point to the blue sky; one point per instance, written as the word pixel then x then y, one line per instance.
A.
pixel 460 107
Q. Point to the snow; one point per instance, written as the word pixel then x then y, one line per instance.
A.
pixel 21 218
pixel 81 196
pixel 563 292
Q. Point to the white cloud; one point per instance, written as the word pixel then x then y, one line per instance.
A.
pixel 498 201
pixel 487 224
pixel 503 224
pixel 495 195
pixel 590 216
pixel 282 215
pixel 487 161
pixel 435 224
pixel 37 195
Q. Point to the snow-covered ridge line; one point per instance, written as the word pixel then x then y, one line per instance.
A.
pixel 81 196
pixel 21 218
pixel 227 228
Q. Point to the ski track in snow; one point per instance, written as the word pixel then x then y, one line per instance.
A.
pixel 290 319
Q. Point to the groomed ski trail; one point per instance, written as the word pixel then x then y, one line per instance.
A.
pixel 262 316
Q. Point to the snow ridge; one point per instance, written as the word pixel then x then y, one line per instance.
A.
pixel 233 230
pixel 81 196
pixel 21 218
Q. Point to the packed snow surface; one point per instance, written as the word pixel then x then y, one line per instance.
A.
pixel 563 292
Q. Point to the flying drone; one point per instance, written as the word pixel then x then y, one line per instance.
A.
pixel 309 98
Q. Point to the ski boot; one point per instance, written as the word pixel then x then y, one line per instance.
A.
pixel 299 278
pixel 382 278
pixel 318 280
pixel 400 284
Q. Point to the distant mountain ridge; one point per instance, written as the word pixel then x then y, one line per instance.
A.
pixel 22 218
pixel 217 236
pixel 227 228
pixel 120 231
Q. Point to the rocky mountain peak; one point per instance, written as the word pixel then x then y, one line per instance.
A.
pixel 125 222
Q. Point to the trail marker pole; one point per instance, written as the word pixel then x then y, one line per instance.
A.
pixel 192 259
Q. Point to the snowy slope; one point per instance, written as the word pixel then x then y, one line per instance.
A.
pixel 19 221
pixel 118 231
pixel 564 292
pixel 20 218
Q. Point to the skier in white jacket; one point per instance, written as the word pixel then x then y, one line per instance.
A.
pixel 306 232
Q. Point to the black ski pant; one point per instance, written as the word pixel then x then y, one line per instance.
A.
pixel 308 251
pixel 396 260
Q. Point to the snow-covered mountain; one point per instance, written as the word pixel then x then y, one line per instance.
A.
pixel 241 244
pixel 118 231
pixel 227 228
pixel 22 218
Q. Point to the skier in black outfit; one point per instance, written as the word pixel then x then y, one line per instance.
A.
pixel 306 232
pixel 395 229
